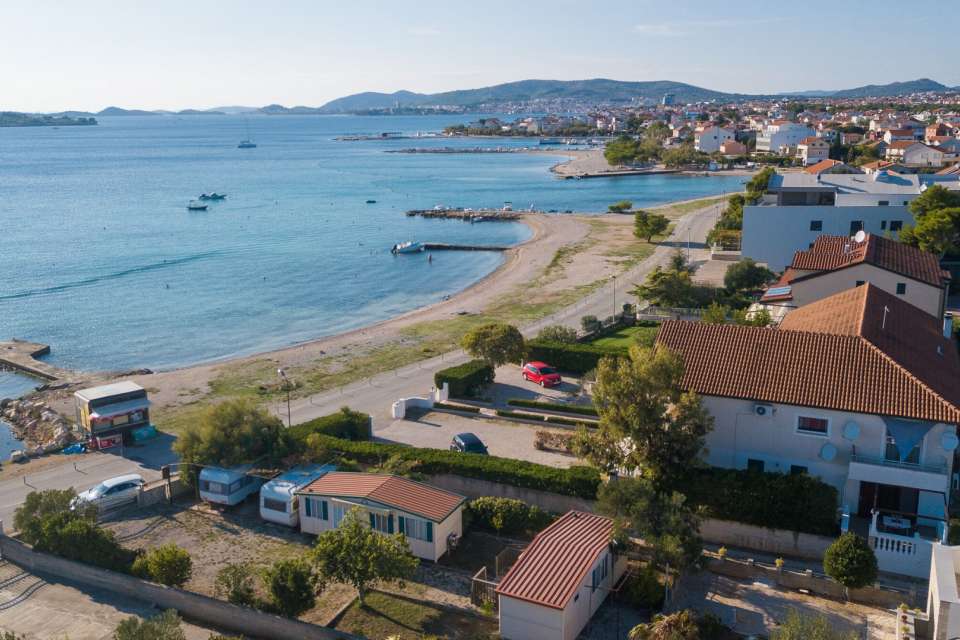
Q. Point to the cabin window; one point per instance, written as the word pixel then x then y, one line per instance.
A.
pixel 896 225
pixel 901 288
pixel 414 528
pixel 275 505
pixel 381 522
pixel 816 225
pixel 814 426
pixel 339 511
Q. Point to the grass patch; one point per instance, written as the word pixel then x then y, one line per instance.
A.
pixel 674 211
pixel 626 336
pixel 388 615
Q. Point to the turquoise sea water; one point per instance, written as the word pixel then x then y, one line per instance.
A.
pixel 12 385
pixel 100 258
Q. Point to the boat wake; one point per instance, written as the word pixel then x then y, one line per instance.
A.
pixel 86 282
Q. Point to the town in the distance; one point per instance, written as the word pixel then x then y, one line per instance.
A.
pixel 706 387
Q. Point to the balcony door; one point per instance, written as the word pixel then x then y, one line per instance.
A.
pixel 886 497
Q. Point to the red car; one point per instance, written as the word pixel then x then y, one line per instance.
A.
pixel 541 373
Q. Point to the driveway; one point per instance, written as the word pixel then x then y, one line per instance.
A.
pixel 509 384
pixel 503 438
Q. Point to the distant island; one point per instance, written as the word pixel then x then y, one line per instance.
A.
pixel 17 119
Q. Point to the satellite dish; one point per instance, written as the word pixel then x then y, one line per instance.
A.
pixel 860 236
pixel 851 431
pixel 949 441
pixel 828 452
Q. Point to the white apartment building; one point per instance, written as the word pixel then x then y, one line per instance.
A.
pixel 782 133
pixel 708 139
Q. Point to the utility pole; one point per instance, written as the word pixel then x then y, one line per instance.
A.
pixel 286 385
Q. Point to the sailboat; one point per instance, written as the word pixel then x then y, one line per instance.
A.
pixel 247 143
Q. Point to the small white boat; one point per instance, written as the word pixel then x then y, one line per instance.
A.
pixel 247 144
pixel 407 247
pixel 196 205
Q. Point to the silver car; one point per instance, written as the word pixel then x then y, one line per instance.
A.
pixel 113 493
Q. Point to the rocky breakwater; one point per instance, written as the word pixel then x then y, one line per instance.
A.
pixel 41 429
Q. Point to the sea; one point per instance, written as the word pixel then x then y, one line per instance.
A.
pixel 100 258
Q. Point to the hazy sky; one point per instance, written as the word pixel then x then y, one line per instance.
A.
pixel 176 54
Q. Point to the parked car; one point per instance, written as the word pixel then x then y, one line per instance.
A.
pixel 468 443
pixel 113 493
pixel 541 373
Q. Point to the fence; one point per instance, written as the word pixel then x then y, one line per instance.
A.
pixel 483 591
pixel 205 610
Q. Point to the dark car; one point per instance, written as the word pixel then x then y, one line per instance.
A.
pixel 468 443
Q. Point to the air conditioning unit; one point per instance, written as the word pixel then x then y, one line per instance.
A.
pixel 763 410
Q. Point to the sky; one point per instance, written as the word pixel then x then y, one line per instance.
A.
pixel 176 54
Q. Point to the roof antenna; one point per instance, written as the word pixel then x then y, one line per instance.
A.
pixel 886 310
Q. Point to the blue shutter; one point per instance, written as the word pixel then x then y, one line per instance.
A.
pixel 323 510
pixel 308 502
pixel 390 523
pixel 401 524
pixel 373 521
pixel 429 531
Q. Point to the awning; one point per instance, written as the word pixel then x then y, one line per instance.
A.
pixel 118 408
pixel 906 434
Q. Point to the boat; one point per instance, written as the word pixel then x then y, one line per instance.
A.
pixel 371 202
pixel 407 247
pixel 196 205
pixel 213 196
pixel 247 144
pixel 507 206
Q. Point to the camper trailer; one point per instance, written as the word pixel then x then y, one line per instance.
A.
pixel 227 486
pixel 278 500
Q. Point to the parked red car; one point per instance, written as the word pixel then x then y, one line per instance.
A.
pixel 541 373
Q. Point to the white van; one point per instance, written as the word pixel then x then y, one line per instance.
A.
pixel 278 502
pixel 227 486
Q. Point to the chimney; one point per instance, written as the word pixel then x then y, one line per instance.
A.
pixel 948 325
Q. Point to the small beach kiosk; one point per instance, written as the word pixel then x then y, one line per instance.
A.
pixel 112 412
pixel 278 499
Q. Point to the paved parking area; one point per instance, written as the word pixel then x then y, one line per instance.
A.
pixel 510 384
pixel 40 610
pixel 503 438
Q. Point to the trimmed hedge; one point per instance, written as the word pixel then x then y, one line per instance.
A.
pixel 465 379
pixel 573 358
pixel 507 516
pixel 346 423
pixel 554 406
pixel 456 407
pixel 578 481
pixel 569 421
pixel 797 502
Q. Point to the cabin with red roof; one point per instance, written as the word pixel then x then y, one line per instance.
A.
pixel 430 518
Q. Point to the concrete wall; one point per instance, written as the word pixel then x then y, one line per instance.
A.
pixel 919 294
pixel 772 234
pixel 476 488
pixel 158 492
pixel 943 601
pixel 775 541
pixel 208 611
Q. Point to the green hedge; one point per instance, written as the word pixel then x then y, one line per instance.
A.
pixel 507 516
pixel 465 379
pixel 346 423
pixel 569 421
pixel 456 407
pixel 572 358
pixel 797 502
pixel 553 406
pixel 578 481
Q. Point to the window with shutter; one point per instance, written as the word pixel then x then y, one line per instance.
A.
pixel 429 532
pixel 308 504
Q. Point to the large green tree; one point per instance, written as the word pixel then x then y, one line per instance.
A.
pixel 231 433
pixel 646 225
pixel 621 151
pixel 746 275
pixel 29 517
pixel 936 232
pixel 358 555
pixel 934 198
pixel 497 343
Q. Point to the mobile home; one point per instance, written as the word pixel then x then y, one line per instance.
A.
pixel 278 498
pixel 227 486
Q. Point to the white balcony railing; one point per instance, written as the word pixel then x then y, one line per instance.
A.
pixel 907 553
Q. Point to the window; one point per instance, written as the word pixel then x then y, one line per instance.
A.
pixel 883 203
pixel 816 225
pixel 209 486
pixel 796 469
pixel 338 512
pixel 860 283
pixel 381 522
pixel 316 508
pixel 896 225
pixel 815 426
pixel 893 454
pixel 416 528
pixel 883 225
pixel 856 225
pixel 901 288
pixel 275 505
pixel 754 465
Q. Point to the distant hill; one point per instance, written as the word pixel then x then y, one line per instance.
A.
pixel 922 85
pixel 17 119
pixel 200 112
pixel 117 111
pixel 235 109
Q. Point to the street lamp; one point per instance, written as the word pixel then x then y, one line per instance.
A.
pixel 286 384
pixel 614 278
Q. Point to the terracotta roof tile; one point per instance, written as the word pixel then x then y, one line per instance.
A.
pixel 844 352
pixel 823 165
pixel 550 570
pixel 392 491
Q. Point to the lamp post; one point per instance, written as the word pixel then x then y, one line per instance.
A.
pixel 614 278
pixel 286 384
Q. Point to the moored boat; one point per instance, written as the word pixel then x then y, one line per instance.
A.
pixel 213 196
pixel 196 205
pixel 407 247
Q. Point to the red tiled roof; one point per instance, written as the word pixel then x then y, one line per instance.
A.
pixel 902 144
pixel 392 491
pixel 862 350
pixel 822 166
pixel 836 252
pixel 551 569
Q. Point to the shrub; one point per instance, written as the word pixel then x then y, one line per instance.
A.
pixel 850 561
pixel 507 516
pixel 346 423
pixel 574 358
pixel 544 440
pixel 579 481
pixel 165 626
pixel 65 535
pixel 292 586
pixel 167 564
pixel 589 324
pixel 644 590
pixel 797 502
pixel 568 421
pixel 953 534
pixel 456 407
pixel 578 409
pixel 235 583
pixel 465 380
pixel 558 333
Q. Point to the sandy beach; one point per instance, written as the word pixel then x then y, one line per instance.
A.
pixel 591 162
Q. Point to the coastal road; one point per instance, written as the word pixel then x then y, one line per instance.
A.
pixel 376 394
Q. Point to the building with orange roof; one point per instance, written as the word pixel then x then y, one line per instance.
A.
pixel 830 166
pixel 812 150
pixel 860 389
pixel 430 518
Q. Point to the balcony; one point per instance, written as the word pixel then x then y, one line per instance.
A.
pixel 903 542
pixel 926 477
pixel 899 464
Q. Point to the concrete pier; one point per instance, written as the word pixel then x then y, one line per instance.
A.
pixel 21 356
pixel 489 215
pixel 443 246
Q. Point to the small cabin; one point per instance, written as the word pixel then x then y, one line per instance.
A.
pixel 228 487
pixel 278 497
pixel 112 410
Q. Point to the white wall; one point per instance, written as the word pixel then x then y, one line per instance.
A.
pixel 772 234
pixel 578 611
pixel 919 294
pixel 943 603
pixel 522 620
